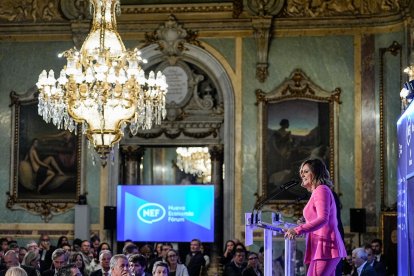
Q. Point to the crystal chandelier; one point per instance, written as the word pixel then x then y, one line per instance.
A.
pixel 102 87
pixel 195 161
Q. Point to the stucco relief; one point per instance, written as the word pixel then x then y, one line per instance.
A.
pixel 29 10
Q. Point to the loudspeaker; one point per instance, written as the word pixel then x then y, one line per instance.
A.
pixel 109 217
pixel 357 220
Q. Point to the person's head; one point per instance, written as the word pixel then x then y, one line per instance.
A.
pixel 76 244
pixel 161 269
pixel 359 256
pixel 195 245
pixel 77 259
pixel 16 271
pixel 95 241
pixel 239 256
pixel 376 245
pixel 44 241
pixel 370 254
pixel 314 172
pixel 104 259
pixel 32 246
pixel 164 249
pixel 59 258
pixel 22 253
pixel 253 259
pixel 240 246
pixel 11 259
pixel 35 142
pixel 69 270
pixel 230 245
pixel 158 249
pixel 137 264
pixel 4 243
pixel 14 246
pixel 118 265
pixel 284 123
pixel 67 248
pixel 32 258
pixel 172 257
pixel 146 251
pixel 62 241
pixel 85 247
pixel 130 249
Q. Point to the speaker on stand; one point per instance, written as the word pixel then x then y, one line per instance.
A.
pixel 357 221
pixel 110 221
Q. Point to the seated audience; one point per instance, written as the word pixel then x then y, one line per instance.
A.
pixel 59 259
pixel 359 259
pixel 195 260
pixel 252 268
pixel 104 267
pixel 175 267
pixel 11 260
pixel 237 265
pixel 137 265
pixel 16 271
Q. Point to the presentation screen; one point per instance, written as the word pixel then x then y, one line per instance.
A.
pixel 165 213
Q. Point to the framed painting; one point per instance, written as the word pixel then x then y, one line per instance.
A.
pixel 297 121
pixel 45 162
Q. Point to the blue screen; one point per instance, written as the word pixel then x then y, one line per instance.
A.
pixel 169 213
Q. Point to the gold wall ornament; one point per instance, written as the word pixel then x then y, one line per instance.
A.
pixel 261 26
pixel 30 11
pixel 103 87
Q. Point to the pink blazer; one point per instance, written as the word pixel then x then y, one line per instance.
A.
pixel 323 240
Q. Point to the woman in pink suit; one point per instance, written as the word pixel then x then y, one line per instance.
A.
pixel 324 245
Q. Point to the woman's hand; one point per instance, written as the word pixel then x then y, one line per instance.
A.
pixel 290 234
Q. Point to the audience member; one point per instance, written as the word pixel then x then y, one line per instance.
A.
pixel 161 258
pixel 103 268
pixel 137 265
pixel 22 253
pixel 119 265
pixel 237 265
pixel 130 249
pixel 174 265
pixel 359 259
pixel 69 270
pixel 77 260
pixel 228 254
pixel 45 250
pixel 378 266
pixel 32 259
pixel 63 240
pixel 195 260
pixel 252 268
pixel 59 259
pixel 161 269
pixel 32 246
pixel 376 245
pixel 16 271
pixel 11 260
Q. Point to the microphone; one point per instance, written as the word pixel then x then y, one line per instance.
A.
pixel 289 185
pixel 284 187
pixel 300 198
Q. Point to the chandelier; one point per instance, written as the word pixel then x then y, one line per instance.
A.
pixel 102 87
pixel 195 161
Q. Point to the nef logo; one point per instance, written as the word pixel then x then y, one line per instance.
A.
pixel 151 212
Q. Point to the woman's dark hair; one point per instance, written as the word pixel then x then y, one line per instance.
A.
pixel 72 260
pixel 60 244
pixel 230 241
pixel 176 253
pixel 319 170
pixel 98 251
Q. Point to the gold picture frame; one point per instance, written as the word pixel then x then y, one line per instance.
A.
pixel 45 161
pixel 287 137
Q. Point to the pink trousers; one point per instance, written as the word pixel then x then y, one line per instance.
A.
pixel 323 267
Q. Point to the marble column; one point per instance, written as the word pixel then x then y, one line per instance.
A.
pixel 131 158
pixel 216 153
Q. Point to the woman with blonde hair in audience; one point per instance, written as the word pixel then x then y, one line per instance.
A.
pixel 32 259
pixel 15 271
pixel 175 267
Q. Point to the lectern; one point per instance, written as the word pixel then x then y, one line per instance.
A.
pixel 253 222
